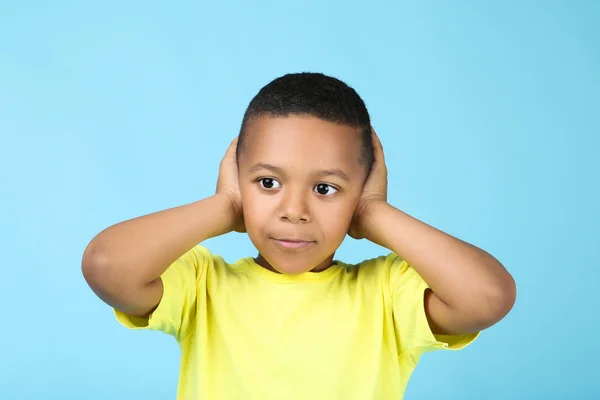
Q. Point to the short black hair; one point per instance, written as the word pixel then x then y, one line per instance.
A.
pixel 316 95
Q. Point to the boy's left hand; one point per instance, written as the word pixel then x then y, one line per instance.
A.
pixel 374 191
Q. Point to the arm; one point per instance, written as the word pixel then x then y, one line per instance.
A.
pixel 123 263
pixel 470 289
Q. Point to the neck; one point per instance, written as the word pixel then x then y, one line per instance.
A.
pixel 325 264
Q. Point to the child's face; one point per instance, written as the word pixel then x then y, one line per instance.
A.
pixel 300 180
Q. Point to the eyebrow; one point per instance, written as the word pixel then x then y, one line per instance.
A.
pixel 278 170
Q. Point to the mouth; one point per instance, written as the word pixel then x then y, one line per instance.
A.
pixel 288 243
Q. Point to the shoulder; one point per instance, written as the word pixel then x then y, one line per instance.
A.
pixel 390 271
pixel 197 261
pixel 196 258
pixel 384 265
pixel 207 264
pixel 382 269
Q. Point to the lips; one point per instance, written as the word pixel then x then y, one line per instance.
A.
pixel 293 243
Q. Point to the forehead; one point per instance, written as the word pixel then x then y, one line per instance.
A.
pixel 301 142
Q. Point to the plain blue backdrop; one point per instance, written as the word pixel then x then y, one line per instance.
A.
pixel 489 113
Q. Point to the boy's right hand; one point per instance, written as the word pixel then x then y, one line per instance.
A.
pixel 228 185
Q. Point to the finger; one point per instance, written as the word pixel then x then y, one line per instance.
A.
pixel 377 147
pixel 231 152
pixel 376 141
pixel 233 144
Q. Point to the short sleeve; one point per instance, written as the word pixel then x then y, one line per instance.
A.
pixel 413 333
pixel 175 314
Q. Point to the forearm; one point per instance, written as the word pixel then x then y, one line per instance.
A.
pixel 141 249
pixel 460 274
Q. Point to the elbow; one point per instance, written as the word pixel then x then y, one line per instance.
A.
pixel 93 264
pixel 506 296
pixel 114 285
pixel 100 274
pixel 498 301
pixel 89 263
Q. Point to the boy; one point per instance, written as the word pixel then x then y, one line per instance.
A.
pixel 293 323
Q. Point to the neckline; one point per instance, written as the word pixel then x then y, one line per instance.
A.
pixel 335 268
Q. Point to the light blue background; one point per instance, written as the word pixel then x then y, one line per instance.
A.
pixel 489 113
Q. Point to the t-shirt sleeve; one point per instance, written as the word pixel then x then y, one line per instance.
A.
pixel 182 283
pixel 413 333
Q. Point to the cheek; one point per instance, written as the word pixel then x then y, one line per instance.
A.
pixel 335 220
pixel 254 208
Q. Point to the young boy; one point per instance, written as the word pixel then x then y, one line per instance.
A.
pixel 293 323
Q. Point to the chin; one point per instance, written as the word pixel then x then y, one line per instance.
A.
pixel 289 261
pixel 290 265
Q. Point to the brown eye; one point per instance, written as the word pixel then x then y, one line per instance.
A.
pixel 325 189
pixel 269 183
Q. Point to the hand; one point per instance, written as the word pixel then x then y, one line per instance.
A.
pixel 228 185
pixel 374 191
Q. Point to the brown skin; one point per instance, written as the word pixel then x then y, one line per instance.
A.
pixel 282 164
pixel 470 290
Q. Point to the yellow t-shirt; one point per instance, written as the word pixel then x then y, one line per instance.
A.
pixel 348 332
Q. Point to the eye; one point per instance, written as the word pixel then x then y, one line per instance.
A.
pixel 325 189
pixel 269 183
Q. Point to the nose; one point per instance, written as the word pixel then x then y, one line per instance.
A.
pixel 294 207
